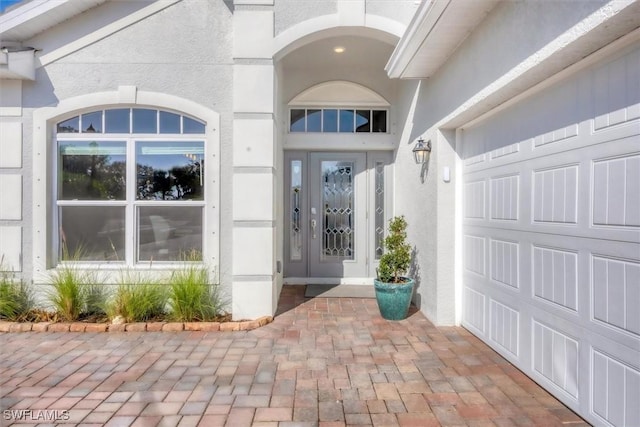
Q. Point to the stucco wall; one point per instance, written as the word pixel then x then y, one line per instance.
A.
pixel 155 54
pixel 291 12
pixel 508 40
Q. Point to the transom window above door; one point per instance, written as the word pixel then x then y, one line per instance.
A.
pixel 130 186
pixel 337 120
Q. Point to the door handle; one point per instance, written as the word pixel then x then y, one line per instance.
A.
pixel 313 228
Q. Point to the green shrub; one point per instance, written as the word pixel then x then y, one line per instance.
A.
pixel 396 259
pixel 138 299
pixel 16 298
pixel 191 296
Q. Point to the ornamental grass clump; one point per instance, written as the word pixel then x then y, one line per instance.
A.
pixel 16 299
pixel 396 259
pixel 70 287
pixel 192 297
pixel 138 299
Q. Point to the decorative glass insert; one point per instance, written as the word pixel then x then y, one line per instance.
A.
pixel 295 244
pixel 379 209
pixel 168 233
pixel 90 170
pixel 170 170
pixel 93 233
pixel 338 210
pixel 345 120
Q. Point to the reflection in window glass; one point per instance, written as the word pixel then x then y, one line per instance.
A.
pixel 363 118
pixel 346 120
pixel 169 122
pixel 71 125
pixel 92 170
pixel 92 122
pixel 167 233
pixel 170 170
pixel 191 126
pixel 94 233
pixel 297 121
pixel 116 121
pixel 145 121
pixel 379 121
pixel 314 120
pixel 330 121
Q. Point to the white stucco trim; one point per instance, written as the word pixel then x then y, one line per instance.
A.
pixel 377 27
pixel 339 93
pixel 44 121
pixel 104 32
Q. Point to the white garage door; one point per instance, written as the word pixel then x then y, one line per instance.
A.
pixel 551 237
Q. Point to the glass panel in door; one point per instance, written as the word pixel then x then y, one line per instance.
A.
pixel 337 215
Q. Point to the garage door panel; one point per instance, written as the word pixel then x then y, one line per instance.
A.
pixel 616 390
pixel 551 238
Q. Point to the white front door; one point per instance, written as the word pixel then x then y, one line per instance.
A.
pixel 335 215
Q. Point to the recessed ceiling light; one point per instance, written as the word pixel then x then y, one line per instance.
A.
pixel 338 49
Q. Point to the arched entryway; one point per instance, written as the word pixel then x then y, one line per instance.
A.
pixel 336 110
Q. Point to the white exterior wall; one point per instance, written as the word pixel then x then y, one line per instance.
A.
pixel 118 54
pixel 11 170
pixel 218 62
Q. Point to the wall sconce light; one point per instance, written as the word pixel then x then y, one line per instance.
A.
pixel 421 151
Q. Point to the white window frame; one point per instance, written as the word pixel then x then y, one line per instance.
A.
pixel 44 230
pixel 130 202
pixel 338 109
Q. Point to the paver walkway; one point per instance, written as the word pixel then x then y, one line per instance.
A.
pixel 322 362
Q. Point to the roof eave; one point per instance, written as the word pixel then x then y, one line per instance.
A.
pixel 436 31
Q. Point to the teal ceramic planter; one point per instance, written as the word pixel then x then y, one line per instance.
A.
pixel 394 298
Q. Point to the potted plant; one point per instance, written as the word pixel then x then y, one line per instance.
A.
pixel 393 289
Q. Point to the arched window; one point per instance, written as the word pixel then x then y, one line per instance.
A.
pixel 130 186
pixel 338 107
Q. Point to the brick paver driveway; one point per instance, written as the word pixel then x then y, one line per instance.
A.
pixel 326 362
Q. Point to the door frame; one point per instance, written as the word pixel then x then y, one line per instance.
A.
pixel 296 271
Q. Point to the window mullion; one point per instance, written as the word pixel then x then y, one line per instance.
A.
pixel 130 213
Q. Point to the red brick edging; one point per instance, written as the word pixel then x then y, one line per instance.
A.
pixel 245 325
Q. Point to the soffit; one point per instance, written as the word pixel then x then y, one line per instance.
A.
pixel 436 31
pixel 35 16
